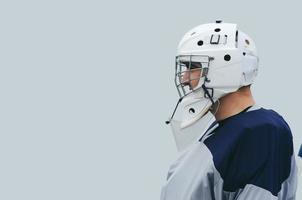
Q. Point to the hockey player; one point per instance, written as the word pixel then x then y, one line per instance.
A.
pixel 246 152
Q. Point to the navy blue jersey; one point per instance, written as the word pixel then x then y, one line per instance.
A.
pixel 246 156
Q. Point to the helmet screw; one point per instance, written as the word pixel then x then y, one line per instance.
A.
pixel 191 110
pixel 217 29
pixel 227 57
pixel 200 43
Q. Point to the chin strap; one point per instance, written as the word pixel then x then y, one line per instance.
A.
pixel 205 89
pixel 179 100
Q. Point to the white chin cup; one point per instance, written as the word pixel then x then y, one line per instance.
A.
pixel 193 109
pixel 190 121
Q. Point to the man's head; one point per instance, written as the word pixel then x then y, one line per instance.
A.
pixel 226 56
pixel 212 60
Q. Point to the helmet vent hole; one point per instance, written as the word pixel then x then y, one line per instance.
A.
pixel 227 57
pixel 217 30
pixel 200 43
pixel 192 110
pixel 247 41
pixel 193 33
pixel 244 53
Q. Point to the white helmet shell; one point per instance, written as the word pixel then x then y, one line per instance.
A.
pixel 230 48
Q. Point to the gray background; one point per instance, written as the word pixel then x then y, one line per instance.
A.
pixel 87 85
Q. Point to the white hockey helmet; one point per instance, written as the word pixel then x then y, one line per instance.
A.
pixel 224 59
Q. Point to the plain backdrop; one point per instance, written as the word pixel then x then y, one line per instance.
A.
pixel 87 85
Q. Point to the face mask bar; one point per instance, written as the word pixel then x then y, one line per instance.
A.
pixel 190 73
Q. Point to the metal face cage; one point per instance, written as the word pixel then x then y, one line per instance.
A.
pixel 190 73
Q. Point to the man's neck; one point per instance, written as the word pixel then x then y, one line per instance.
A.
pixel 233 103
